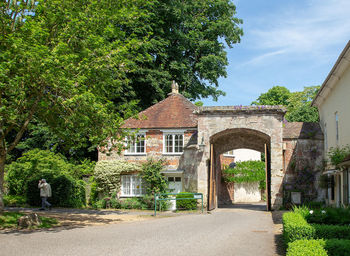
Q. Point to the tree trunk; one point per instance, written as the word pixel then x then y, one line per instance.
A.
pixel 2 173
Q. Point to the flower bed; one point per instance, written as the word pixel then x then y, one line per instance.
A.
pixel 298 231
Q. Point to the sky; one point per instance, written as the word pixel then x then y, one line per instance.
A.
pixel 291 43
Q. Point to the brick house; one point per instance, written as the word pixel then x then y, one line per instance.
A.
pixel 166 130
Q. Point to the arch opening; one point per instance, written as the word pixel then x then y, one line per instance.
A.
pixel 222 193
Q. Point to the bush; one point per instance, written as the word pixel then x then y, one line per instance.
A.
pixel 35 162
pixel 187 204
pixel 14 201
pixel 331 231
pixel 332 216
pixel 307 248
pixel 336 247
pixel 246 171
pixel 295 227
pixel 66 192
pixel 152 176
pixel 107 175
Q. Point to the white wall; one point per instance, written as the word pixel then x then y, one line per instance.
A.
pixel 244 154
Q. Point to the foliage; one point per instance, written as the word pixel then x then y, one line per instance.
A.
pixel 10 220
pixel 152 176
pixel 107 175
pixel 299 106
pixel 62 63
pixel 245 171
pixel 337 247
pixel 187 204
pixel 187 43
pixel 143 203
pixel 337 155
pixel 14 201
pixel 36 161
pixel 66 191
pixel 298 103
pixel 277 95
pixel 295 227
pixel 331 216
pixel 307 248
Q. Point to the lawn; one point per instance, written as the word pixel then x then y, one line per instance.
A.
pixel 10 219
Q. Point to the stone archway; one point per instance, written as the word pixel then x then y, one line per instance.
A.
pixel 254 127
pixel 231 139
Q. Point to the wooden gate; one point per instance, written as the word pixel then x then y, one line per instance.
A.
pixel 212 181
pixel 268 177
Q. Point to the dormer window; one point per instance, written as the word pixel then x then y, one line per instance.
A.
pixel 173 143
pixel 136 145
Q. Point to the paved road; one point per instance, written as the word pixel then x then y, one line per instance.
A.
pixel 235 231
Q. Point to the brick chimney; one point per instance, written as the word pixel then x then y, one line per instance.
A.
pixel 174 88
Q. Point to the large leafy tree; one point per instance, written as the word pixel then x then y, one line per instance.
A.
pixel 62 63
pixel 187 44
pixel 298 103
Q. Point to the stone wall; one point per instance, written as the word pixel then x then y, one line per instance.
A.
pixel 302 161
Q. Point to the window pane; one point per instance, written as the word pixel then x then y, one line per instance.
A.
pixel 169 143
pixel 126 184
pixel 178 143
pixel 177 179
pixel 170 178
pixel 140 145
pixel 131 145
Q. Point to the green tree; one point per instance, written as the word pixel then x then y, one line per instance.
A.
pixel 277 95
pixel 298 103
pixel 187 44
pixel 152 176
pixel 62 63
pixel 299 106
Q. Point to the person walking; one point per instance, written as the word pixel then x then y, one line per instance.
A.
pixel 45 192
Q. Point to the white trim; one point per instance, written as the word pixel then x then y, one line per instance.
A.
pixel 133 178
pixel 126 153
pixel 171 131
pixel 173 146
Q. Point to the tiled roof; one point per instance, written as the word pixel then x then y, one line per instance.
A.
pixel 302 130
pixel 173 112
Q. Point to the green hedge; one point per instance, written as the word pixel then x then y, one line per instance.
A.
pixel 186 204
pixel 307 248
pixel 295 227
pixel 66 192
pixel 337 247
pixel 331 231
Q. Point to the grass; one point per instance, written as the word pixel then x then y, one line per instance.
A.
pixel 10 219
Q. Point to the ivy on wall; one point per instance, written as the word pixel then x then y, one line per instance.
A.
pixel 107 175
pixel 245 171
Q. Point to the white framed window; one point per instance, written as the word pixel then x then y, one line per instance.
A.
pixel 173 143
pixel 230 153
pixel 136 146
pixel 132 185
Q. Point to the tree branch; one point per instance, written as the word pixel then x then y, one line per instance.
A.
pixel 24 126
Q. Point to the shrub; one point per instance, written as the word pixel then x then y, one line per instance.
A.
pixel 331 231
pixel 107 175
pixel 152 176
pixel 333 216
pixel 14 201
pixel 246 171
pixel 336 247
pixel 187 204
pixel 295 227
pixel 307 248
pixel 66 192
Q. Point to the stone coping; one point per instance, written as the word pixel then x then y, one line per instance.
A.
pixel 261 109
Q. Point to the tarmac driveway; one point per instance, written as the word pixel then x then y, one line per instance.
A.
pixel 223 232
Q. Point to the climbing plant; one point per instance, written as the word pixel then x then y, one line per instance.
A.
pixel 245 171
pixel 337 155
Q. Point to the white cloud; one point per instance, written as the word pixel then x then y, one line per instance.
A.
pixel 296 31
